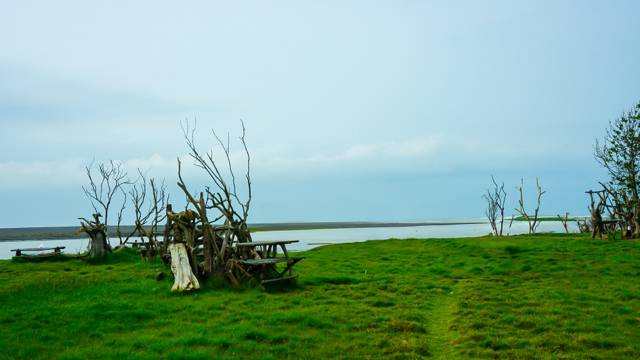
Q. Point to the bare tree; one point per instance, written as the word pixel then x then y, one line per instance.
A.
pixel 119 219
pixel 564 220
pixel 513 217
pixel 531 220
pixel 154 196
pixel 112 176
pixel 495 198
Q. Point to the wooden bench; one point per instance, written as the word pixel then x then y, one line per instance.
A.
pixel 56 250
pixel 268 248
pixel 265 264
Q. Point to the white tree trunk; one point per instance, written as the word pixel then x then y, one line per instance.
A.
pixel 184 278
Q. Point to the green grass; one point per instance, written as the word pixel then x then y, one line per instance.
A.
pixel 544 296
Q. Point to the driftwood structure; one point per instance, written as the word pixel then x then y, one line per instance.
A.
pixel 181 264
pixel 208 238
pixel 596 208
pixel 605 200
pixel 210 232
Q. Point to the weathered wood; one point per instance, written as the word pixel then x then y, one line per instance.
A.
pixel 98 244
pixel 267 281
pixel 267 261
pixel 181 268
pixel 56 249
pixel 268 242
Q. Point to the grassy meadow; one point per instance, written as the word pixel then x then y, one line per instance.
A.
pixel 521 297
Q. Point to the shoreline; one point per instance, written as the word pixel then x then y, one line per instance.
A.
pixel 71 232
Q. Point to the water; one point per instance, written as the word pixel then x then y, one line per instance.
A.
pixel 313 238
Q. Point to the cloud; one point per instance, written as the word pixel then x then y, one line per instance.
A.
pixel 40 174
pixel 433 154
pixel 64 173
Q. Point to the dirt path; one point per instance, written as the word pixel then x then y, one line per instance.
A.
pixel 440 336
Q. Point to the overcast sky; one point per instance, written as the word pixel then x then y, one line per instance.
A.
pixel 393 110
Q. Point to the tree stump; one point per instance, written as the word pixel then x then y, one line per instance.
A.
pixel 181 268
pixel 98 245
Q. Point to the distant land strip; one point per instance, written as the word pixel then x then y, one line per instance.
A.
pixel 71 232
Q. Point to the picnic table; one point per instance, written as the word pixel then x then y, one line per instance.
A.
pixel 56 250
pixel 616 223
pixel 265 259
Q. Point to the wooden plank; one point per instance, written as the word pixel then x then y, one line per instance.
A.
pixel 269 242
pixel 266 261
pixel 279 279
pixel 40 249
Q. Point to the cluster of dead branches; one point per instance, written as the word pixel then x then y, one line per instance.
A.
pixel 618 208
pixel 565 221
pixel 496 198
pixel 152 195
pixel 111 177
pixel 532 219
pixel 148 201
pixel 215 234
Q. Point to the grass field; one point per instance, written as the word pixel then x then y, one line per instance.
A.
pixel 523 297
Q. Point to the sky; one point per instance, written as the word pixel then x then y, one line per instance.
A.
pixel 355 110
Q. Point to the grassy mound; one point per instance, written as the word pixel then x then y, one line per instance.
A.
pixel 546 296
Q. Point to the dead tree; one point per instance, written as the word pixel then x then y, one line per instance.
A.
pixel 496 199
pixel 531 220
pixel 119 220
pixel 155 198
pixel 513 217
pixel 564 220
pixel 112 177
pixel 98 244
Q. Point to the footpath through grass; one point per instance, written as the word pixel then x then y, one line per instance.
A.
pixel 547 296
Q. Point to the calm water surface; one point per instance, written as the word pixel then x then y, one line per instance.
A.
pixel 313 238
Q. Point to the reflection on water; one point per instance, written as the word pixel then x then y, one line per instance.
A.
pixel 313 238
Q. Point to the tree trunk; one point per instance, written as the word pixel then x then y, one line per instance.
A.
pixel 181 268
pixel 98 245
pixel 597 227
